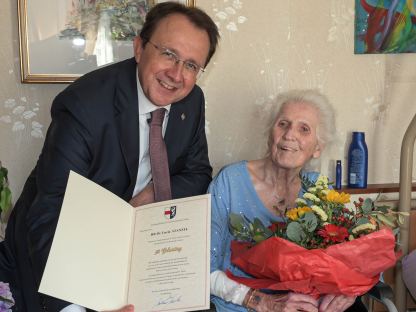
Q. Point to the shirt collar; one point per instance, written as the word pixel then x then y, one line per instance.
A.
pixel 145 105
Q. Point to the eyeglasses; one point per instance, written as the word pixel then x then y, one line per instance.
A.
pixel 169 56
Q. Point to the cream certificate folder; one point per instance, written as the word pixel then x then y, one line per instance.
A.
pixel 105 253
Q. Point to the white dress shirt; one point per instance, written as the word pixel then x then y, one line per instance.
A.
pixel 144 174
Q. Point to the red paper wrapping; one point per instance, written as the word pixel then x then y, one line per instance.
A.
pixel 351 268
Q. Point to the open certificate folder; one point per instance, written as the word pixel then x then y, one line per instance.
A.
pixel 105 253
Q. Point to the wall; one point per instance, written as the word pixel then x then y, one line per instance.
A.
pixel 267 47
pixel 24 108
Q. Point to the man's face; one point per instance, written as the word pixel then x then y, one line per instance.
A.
pixel 163 81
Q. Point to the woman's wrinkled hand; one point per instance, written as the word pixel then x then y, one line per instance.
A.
pixel 127 308
pixel 289 302
pixel 332 303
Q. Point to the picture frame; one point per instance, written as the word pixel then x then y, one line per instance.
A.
pixel 63 39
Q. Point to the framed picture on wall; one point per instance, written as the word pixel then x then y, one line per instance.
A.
pixel 63 39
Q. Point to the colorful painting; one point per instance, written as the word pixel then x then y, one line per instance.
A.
pixel 385 26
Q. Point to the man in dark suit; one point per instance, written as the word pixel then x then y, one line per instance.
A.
pixel 99 129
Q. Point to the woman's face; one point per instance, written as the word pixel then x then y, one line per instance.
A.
pixel 294 137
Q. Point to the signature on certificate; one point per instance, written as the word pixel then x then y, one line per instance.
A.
pixel 169 299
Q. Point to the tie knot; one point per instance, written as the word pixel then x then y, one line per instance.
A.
pixel 157 117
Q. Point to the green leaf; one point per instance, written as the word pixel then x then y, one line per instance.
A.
pixel 239 227
pixel 259 238
pixel 385 220
pixel 361 221
pixel 237 221
pixel 367 206
pixel 400 219
pixel 295 232
pixel 383 209
pixel 3 178
pixel 309 221
pixel 5 200
pixel 258 225
pixel 259 228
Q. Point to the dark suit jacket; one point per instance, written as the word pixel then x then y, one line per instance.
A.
pixel 95 132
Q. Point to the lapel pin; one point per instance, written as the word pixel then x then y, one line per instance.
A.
pixel 183 116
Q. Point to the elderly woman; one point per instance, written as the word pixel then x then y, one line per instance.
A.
pixel 303 124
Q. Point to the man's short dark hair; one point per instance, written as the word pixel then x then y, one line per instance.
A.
pixel 196 16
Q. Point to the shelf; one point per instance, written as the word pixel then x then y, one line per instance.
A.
pixel 376 188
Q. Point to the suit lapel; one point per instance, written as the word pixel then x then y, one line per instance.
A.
pixel 127 120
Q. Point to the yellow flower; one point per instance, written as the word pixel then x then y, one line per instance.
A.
pixel 303 210
pixel 292 214
pixel 335 197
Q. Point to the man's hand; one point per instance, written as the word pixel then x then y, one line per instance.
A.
pixel 332 303
pixel 127 308
pixel 146 196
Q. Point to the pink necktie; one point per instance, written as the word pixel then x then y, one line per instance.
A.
pixel 159 157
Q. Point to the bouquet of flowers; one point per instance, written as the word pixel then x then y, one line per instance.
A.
pixel 322 246
pixel 6 299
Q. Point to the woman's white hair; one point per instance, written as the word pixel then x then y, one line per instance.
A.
pixel 326 131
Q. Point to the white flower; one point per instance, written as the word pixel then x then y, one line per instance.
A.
pixel 28 114
pixel 18 126
pixel 325 192
pixel 6 119
pixel 36 125
pixel 322 180
pixel 320 212
pixel 18 110
pixel 300 202
pixel 312 189
pixel 241 19
pixel 230 10
pixel 237 4
pixel 9 103
pixel 311 197
pixel 231 26
pixel 221 15
pixel 36 133
pixel 363 227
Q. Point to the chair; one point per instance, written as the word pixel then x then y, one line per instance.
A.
pixel 383 293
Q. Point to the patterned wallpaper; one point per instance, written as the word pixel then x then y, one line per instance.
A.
pixel 267 47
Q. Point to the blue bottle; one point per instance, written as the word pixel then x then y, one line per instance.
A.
pixel 338 175
pixel 357 161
